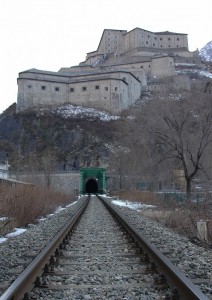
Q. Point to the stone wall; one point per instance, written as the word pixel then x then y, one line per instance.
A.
pixel 67 183
pixel 107 90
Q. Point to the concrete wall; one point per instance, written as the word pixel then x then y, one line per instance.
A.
pixel 119 41
pixel 110 91
pixel 162 67
pixel 66 183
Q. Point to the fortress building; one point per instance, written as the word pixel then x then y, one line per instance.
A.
pixel 113 77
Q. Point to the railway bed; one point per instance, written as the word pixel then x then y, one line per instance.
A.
pixel 102 259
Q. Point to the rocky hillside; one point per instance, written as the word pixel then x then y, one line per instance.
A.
pixel 62 138
pixel 206 52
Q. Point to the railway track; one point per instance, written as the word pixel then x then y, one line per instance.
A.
pixel 99 255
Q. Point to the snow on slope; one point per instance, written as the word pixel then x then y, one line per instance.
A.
pixel 73 111
pixel 206 52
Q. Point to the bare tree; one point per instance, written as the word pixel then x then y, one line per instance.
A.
pixel 184 133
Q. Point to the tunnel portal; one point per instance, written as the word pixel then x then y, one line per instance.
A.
pixel 92 181
pixel 91 186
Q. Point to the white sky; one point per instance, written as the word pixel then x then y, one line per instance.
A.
pixel 50 34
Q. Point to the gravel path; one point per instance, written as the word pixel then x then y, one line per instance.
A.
pixel 100 263
pixel 16 253
pixel 194 261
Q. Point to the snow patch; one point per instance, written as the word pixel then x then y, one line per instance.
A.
pixel 17 232
pixel 132 205
pixel 72 111
pixel 2 240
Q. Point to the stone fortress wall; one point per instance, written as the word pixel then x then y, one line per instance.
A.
pixel 113 77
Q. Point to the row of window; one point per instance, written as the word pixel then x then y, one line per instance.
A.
pixel 43 87
pixel 160 45
pixel 84 88
pixel 169 39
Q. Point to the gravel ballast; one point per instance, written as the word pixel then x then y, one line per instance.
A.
pixel 194 261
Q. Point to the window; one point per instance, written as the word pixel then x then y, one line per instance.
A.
pixel 29 86
pixel 106 88
pixel 96 87
pixel 147 42
pixel 124 78
pixel 178 39
pixel 169 39
pixel 71 90
pixel 116 89
pixel 84 88
pixel 155 38
pixel 161 46
pixel 57 89
pixel 169 46
pixel 148 36
pixel 161 39
pixel 153 44
pixel 43 87
pixel 142 66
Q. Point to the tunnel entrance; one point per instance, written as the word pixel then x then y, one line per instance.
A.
pixel 91 186
pixel 92 181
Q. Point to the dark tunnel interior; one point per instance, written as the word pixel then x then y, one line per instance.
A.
pixel 91 186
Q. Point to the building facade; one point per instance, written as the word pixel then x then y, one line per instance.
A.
pixel 111 78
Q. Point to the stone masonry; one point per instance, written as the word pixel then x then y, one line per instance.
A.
pixel 113 77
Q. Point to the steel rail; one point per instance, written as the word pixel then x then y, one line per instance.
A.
pixel 25 281
pixel 175 278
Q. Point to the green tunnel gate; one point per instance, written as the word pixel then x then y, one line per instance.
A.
pixel 92 181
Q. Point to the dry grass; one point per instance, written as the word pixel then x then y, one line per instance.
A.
pixel 182 217
pixel 23 204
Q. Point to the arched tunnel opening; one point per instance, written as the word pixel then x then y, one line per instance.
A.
pixel 91 186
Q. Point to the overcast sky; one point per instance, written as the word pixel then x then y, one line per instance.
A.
pixel 50 34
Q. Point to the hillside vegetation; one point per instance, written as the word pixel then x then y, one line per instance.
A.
pixel 164 139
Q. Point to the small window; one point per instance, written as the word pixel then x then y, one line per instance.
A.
pixel 161 46
pixel 161 39
pixel 148 36
pixel 155 38
pixel 142 67
pixel 169 39
pixel 178 39
pixel 124 78
pixel 177 46
pixel 57 89
pixel 169 46
pixel 43 87
pixel 84 88
pixel 106 88
pixel 147 42
pixel 96 87
pixel 29 86
pixel 153 44
pixel 116 89
pixel 71 90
